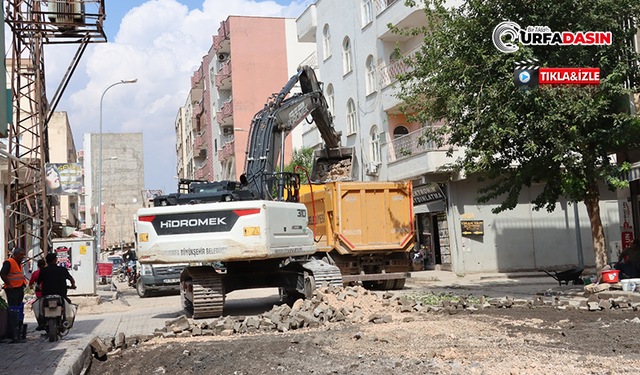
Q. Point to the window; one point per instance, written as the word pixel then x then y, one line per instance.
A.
pixel 375 145
pixel 351 117
pixel 330 99
pixel 367 12
pixel 346 56
pixel 371 75
pixel 399 131
pixel 326 42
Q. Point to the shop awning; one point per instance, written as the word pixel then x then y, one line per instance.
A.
pixel 633 174
pixel 435 206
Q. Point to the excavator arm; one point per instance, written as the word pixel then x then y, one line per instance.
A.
pixel 280 115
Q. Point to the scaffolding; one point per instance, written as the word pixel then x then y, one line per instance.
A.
pixel 35 23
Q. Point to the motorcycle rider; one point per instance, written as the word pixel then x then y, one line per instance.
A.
pixel 54 281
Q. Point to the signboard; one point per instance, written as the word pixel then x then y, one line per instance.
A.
pixel 427 193
pixel 63 178
pixel 472 227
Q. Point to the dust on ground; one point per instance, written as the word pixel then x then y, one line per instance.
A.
pixel 516 340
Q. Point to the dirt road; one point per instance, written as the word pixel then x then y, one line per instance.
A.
pixel 516 340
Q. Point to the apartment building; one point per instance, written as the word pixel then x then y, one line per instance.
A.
pixel 358 62
pixel 62 149
pixel 250 59
pixel 123 190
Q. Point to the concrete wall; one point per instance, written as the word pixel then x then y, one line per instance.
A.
pixel 523 239
pixel 122 181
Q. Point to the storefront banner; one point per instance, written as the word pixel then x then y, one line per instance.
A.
pixel 429 192
pixel 63 178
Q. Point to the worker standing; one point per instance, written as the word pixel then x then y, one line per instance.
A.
pixel 14 283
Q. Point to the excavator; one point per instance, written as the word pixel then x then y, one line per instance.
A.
pixel 250 233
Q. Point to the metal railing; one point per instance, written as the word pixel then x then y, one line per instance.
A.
pixel 413 144
pixel 388 73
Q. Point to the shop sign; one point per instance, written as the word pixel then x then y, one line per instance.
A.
pixel 472 227
pixel 427 193
pixel 627 224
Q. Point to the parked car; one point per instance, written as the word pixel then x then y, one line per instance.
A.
pixel 156 278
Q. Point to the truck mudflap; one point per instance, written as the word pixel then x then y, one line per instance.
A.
pixel 202 292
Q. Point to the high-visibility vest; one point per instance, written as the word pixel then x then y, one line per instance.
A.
pixel 15 276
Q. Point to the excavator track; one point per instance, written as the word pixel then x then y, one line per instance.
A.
pixel 208 293
pixel 323 272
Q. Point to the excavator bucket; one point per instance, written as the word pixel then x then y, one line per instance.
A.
pixel 334 164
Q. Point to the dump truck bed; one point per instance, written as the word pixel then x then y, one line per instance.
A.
pixel 362 217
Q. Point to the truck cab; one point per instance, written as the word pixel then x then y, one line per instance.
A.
pixel 158 278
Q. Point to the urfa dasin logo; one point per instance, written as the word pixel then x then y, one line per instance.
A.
pixel 528 75
pixel 542 35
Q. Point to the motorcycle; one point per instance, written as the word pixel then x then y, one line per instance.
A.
pixel 58 315
pixel 132 274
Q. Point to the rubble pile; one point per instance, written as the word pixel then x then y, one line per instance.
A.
pixel 353 304
pixel 327 172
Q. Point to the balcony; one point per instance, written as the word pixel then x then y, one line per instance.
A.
pixel 221 41
pixel 82 208
pixel 196 78
pixel 227 150
pixel 223 77
pixel 201 140
pixel 398 14
pixel 202 172
pixel 388 73
pixel 307 25
pixel 410 155
pixel 80 154
pixel 198 109
pixel 311 60
pixel 225 116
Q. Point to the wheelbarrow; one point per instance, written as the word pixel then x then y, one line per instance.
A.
pixel 572 275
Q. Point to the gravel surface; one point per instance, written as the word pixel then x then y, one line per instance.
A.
pixel 515 340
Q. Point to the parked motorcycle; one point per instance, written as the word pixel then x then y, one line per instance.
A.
pixel 57 315
pixel 122 274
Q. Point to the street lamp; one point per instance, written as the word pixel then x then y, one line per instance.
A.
pixel 99 245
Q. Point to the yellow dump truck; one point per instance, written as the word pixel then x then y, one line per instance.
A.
pixel 364 228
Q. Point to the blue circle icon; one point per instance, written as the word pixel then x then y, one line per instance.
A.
pixel 524 76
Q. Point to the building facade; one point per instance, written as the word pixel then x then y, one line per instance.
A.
pixel 250 59
pixel 123 190
pixel 358 58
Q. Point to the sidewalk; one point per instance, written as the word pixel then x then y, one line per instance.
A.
pixel 68 356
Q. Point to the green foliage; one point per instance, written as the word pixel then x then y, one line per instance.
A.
pixel 301 157
pixel 559 137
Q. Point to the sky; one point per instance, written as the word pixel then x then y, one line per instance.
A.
pixel 160 43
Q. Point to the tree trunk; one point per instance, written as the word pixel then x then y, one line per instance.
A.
pixel 592 201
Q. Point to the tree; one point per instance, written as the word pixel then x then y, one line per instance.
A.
pixel 513 138
pixel 301 157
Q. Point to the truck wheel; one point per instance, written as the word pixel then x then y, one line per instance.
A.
pixel 399 284
pixel 141 289
pixel 388 284
pixel 369 285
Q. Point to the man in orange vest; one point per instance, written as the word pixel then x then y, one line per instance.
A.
pixel 11 274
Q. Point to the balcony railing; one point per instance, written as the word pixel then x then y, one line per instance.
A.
pixel 311 60
pixel 82 208
pixel 225 112
pixel 381 5
pixel 388 73
pixel 413 144
pixel 201 139
pixel 196 77
pixel 223 34
pixel 226 151
pixel 202 173
pixel 224 74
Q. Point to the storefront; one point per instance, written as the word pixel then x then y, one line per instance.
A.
pixel 433 245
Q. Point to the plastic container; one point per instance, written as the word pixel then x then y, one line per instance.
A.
pixel 626 285
pixel 610 276
pixel 637 285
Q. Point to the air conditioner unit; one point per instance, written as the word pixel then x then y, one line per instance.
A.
pixel 223 57
pixel 66 11
pixel 372 168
